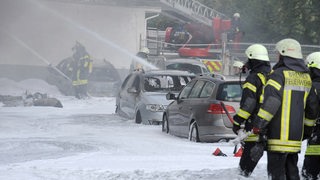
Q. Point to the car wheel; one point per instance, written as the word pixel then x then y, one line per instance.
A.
pixel 193 132
pixel 165 124
pixel 138 118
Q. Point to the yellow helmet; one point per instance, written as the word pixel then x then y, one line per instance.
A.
pixel 238 64
pixel 258 52
pixel 313 60
pixel 289 47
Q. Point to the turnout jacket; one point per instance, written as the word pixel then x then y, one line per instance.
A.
pixel 313 147
pixel 251 99
pixel 81 70
pixel 289 105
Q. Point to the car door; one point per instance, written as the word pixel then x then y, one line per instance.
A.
pixel 133 92
pixel 189 107
pixel 126 95
pixel 174 111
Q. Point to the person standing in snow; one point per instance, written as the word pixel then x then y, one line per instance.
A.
pixel 311 164
pixel 82 67
pixel 259 66
pixel 288 111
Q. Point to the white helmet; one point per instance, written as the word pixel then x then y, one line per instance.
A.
pixel 238 64
pixel 258 52
pixel 145 50
pixel 313 60
pixel 289 47
pixel 236 15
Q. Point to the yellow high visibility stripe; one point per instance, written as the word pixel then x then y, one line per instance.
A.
pixel 284 142
pixel 265 114
pixel 85 57
pixel 244 114
pixel 263 80
pixel 250 86
pixel 252 138
pixel 79 82
pixel 285 116
pixel 309 122
pixel 313 150
pixel 274 84
pixel 284 148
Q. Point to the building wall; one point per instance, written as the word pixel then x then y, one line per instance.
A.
pixel 41 32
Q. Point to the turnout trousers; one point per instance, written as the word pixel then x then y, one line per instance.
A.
pixel 283 166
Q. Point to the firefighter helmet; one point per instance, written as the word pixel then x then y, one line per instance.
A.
pixel 238 64
pixel 257 52
pixel 289 47
pixel 236 15
pixel 313 60
pixel 145 50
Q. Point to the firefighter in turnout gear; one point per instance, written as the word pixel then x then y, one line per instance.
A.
pixel 259 66
pixel 288 111
pixel 311 164
pixel 138 66
pixel 82 67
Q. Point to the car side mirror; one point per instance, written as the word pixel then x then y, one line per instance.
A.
pixel 171 96
pixel 132 90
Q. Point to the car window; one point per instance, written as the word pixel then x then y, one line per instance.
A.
pixel 195 92
pixel 165 82
pixel 186 90
pixel 230 92
pixel 207 90
pixel 205 70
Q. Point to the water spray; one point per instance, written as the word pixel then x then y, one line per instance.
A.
pixel 36 54
pixel 94 34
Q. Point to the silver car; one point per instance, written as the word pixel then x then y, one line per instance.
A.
pixel 203 110
pixel 142 96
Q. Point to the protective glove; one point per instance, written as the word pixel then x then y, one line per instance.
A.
pixel 258 125
pixel 236 128
pixel 236 123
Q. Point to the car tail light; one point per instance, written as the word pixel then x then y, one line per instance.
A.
pixel 217 109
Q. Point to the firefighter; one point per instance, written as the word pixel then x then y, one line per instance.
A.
pixel 259 66
pixel 136 65
pixel 311 164
pixel 289 110
pixel 82 67
pixel 237 67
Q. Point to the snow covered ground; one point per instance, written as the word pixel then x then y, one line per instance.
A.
pixel 85 140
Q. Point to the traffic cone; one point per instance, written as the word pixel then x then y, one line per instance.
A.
pixel 239 152
pixel 218 152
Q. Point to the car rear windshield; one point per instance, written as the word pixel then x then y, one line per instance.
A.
pixel 185 67
pixel 229 92
pixel 165 82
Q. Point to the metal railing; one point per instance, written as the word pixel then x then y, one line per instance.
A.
pixel 195 10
